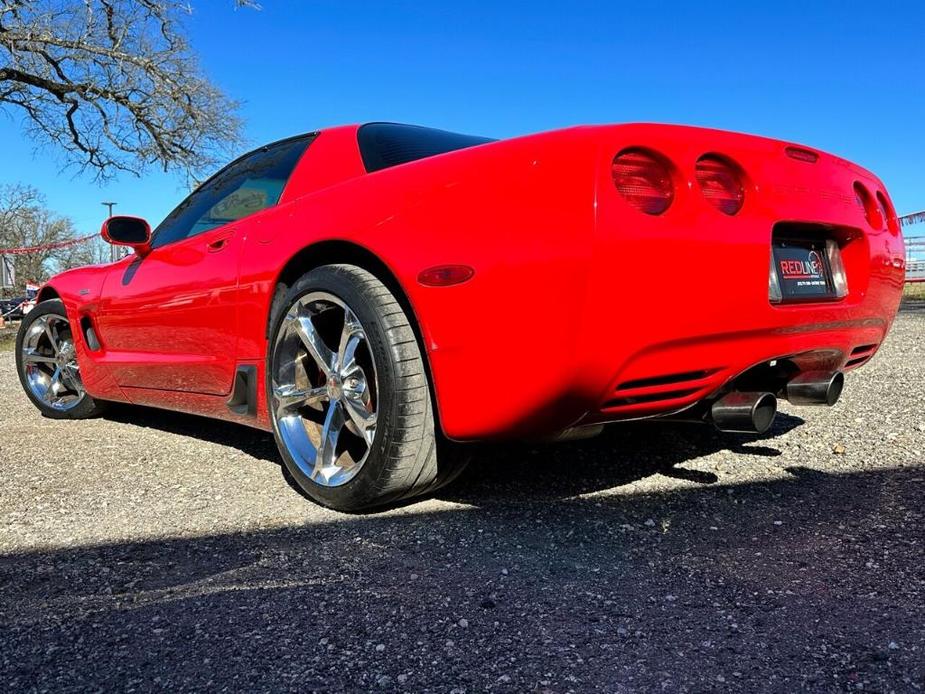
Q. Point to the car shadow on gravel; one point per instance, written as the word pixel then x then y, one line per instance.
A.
pixel 623 454
pixel 813 582
pixel 253 442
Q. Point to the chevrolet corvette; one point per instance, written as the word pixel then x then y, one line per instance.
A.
pixel 377 295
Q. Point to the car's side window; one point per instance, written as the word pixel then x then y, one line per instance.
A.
pixel 247 185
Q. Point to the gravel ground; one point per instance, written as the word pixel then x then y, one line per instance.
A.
pixel 151 550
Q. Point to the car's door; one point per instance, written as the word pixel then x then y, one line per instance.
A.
pixel 169 320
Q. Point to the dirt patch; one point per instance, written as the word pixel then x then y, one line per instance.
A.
pixel 8 337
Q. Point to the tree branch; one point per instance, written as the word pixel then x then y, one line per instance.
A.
pixel 114 84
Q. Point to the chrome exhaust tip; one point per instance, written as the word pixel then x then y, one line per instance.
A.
pixel 744 413
pixel 815 388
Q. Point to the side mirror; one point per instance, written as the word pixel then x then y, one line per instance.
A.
pixel 128 231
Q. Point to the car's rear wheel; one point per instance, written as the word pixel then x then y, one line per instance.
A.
pixel 348 394
pixel 47 364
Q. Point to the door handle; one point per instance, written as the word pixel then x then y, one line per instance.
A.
pixel 218 243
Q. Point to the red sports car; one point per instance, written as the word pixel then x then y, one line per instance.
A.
pixel 372 293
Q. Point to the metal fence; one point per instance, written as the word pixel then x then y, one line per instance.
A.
pixel 915 247
pixel 915 260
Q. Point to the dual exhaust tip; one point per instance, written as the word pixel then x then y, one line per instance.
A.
pixel 753 413
pixel 744 413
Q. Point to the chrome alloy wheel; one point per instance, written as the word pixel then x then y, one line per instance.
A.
pixel 324 389
pixel 50 363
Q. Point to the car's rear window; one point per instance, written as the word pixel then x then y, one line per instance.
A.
pixel 389 144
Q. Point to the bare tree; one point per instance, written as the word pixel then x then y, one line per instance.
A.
pixel 114 84
pixel 94 251
pixel 25 221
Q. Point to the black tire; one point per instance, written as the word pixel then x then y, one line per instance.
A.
pixel 407 456
pixel 87 407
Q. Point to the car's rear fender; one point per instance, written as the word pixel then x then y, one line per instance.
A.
pixel 520 213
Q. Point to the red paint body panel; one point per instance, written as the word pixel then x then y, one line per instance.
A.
pixel 161 330
pixel 580 307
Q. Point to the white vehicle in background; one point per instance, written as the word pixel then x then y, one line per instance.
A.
pixel 18 307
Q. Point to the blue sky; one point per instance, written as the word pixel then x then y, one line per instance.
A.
pixel 847 77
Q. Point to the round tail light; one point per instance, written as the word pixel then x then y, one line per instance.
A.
pixel 644 180
pixel 866 202
pixel 889 216
pixel 721 183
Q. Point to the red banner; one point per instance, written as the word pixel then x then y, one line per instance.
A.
pixel 28 250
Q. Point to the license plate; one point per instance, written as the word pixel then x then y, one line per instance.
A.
pixel 803 270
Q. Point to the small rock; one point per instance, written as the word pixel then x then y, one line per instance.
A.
pixel 893 646
pixel 838 449
pixel 650 523
pixel 464 623
pixel 504 572
pixel 380 647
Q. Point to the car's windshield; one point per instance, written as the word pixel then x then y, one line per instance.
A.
pixel 250 184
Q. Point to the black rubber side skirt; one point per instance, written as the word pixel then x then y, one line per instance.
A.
pixel 243 399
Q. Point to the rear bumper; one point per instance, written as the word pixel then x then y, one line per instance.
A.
pixel 681 373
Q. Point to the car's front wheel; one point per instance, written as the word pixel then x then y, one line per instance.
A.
pixel 47 364
pixel 348 394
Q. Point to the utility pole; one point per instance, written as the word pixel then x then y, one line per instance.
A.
pixel 113 251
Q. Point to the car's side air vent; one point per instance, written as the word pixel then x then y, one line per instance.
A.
pixel 662 388
pixel 861 354
pixel 666 380
pixel 649 397
pixel 90 336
